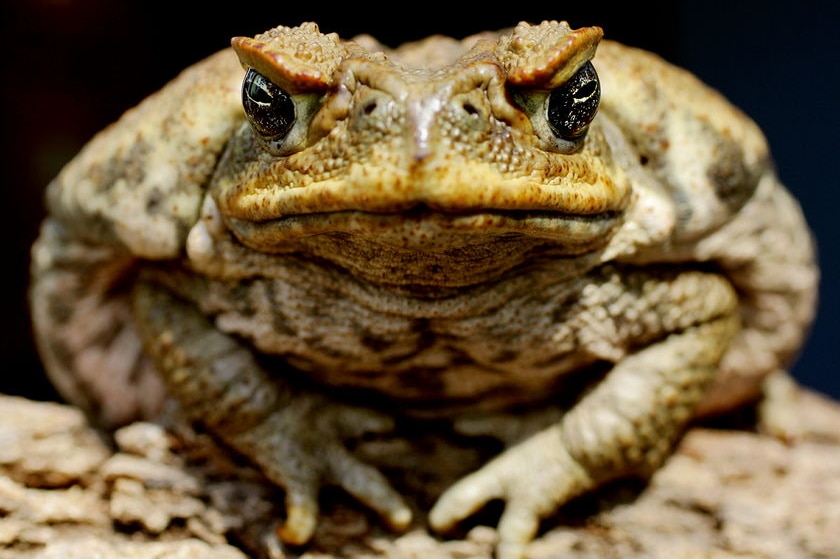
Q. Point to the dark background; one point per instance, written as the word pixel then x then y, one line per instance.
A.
pixel 72 66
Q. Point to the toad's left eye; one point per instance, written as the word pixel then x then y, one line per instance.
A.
pixel 571 107
pixel 270 110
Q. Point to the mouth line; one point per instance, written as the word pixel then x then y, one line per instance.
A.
pixel 421 224
pixel 422 214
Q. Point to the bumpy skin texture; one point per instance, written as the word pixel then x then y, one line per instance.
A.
pixel 421 241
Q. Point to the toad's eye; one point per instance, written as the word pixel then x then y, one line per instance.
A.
pixel 270 110
pixel 571 107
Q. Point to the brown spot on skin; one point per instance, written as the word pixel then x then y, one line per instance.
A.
pixel 376 343
pixel 733 182
pixel 60 308
pixel 505 356
pixel 420 383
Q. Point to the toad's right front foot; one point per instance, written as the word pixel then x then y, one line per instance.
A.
pixel 301 449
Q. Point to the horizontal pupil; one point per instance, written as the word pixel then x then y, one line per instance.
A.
pixel 586 91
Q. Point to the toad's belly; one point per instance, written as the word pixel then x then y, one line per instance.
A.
pixel 505 344
pixel 429 366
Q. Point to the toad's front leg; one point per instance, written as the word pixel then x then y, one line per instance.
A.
pixel 294 436
pixel 627 424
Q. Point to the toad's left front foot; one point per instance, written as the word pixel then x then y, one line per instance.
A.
pixel 625 426
pixel 532 486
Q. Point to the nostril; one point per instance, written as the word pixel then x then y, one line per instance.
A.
pixel 470 113
pixel 470 109
pixel 369 107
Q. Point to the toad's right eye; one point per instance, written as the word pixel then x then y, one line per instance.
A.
pixel 269 109
pixel 572 106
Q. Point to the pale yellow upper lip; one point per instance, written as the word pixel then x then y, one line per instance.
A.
pixel 460 189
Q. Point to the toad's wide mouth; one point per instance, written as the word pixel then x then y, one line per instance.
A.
pixel 431 206
pixel 421 228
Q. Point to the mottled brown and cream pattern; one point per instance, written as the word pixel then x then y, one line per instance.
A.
pixel 302 239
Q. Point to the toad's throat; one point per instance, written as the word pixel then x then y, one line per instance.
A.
pixel 424 252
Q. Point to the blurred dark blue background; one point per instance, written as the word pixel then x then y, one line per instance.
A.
pixel 71 67
pixel 780 62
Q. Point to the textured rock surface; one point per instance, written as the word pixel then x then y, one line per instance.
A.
pixel 68 492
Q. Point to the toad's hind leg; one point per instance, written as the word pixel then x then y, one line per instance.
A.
pixel 81 315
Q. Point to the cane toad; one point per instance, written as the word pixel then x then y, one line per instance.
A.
pixel 302 238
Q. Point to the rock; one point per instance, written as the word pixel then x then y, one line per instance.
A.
pixel 67 491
